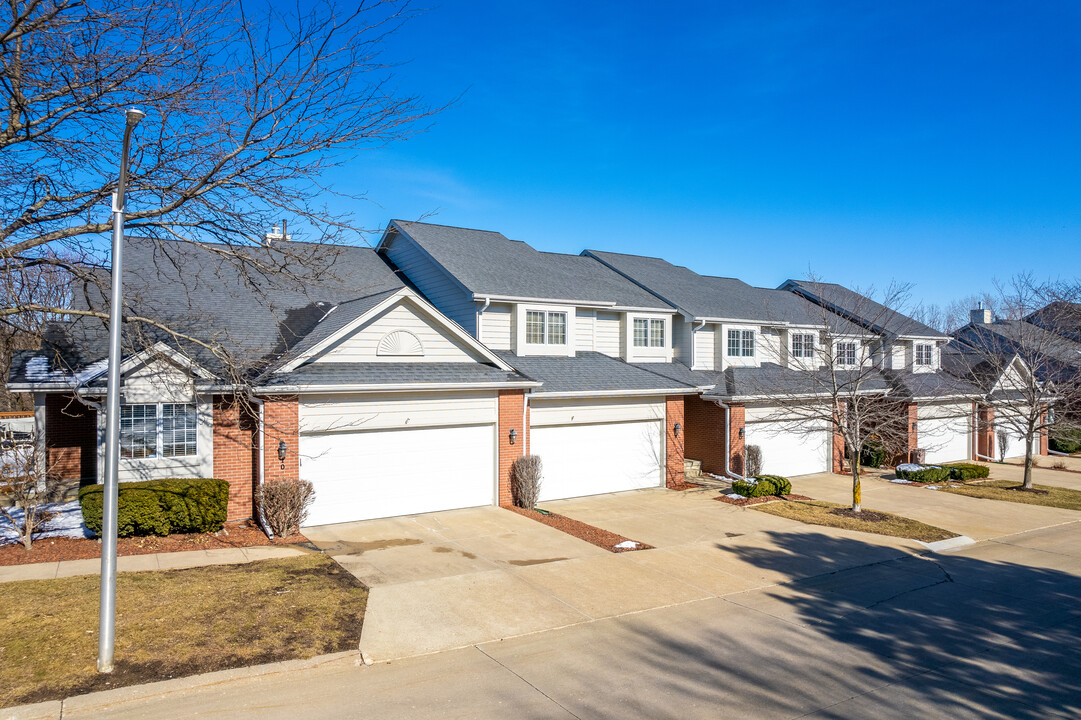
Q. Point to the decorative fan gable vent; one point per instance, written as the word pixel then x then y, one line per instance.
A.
pixel 400 343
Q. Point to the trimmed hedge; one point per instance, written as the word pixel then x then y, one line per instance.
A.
pixel 925 474
pixel 873 455
pixel 762 485
pixel 160 507
pixel 967 471
pixel 1065 445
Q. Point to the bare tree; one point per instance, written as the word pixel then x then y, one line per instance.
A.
pixel 954 314
pixel 838 384
pixel 28 485
pixel 245 114
pixel 1032 375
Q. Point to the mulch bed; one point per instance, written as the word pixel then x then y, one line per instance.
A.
pixel 594 535
pixel 233 535
pixel 744 502
pixel 684 486
pixel 1022 488
pixel 868 515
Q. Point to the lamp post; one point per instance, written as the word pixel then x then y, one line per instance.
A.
pixel 107 611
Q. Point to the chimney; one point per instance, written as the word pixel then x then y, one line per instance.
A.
pixel 980 316
pixel 278 233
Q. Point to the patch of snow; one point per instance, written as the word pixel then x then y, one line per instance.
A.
pixel 902 481
pixel 932 487
pixel 67 522
pixel 736 496
pixel 37 370
pixel 909 467
pixel 627 545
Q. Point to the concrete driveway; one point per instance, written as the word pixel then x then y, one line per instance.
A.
pixel 445 580
pixel 977 518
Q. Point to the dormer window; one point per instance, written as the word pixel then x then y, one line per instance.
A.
pixel 845 354
pixel 741 343
pixel 545 328
pixel 925 355
pixel 803 345
pixel 648 332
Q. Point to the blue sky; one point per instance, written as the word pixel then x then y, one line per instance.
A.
pixel 936 142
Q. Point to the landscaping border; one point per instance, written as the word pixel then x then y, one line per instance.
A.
pixel 744 502
pixel 593 535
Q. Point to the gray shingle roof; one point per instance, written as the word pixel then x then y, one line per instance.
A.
pixel 770 379
pixel 867 312
pixel 488 263
pixel 325 373
pixel 703 296
pixel 929 386
pixel 1047 353
pixel 589 372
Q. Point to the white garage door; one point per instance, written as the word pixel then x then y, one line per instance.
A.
pixel 1015 440
pixel 382 473
pixel 945 431
pixel 788 448
pixel 602 458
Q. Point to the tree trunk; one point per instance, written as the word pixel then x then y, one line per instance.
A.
pixel 1027 483
pixel 857 492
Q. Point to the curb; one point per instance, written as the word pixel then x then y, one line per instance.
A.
pixel 948 544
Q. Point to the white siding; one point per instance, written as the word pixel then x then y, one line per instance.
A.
pixel 591 410
pixel 361 346
pixel 497 326
pixel 349 413
pixel 434 282
pixel 900 355
pixel 607 333
pixel 157 381
pixel 681 340
pixel 704 352
pixel 773 346
pixel 585 322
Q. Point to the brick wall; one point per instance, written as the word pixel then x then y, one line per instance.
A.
pixel 838 464
pixel 281 422
pixel 703 433
pixel 71 439
pixel 674 410
pixel 1044 437
pixel 736 420
pixel 235 445
pixel 912 429
pixel 985 431
pixel 511 408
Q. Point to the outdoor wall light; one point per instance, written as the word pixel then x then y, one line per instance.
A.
pixel 676 429
pixel 282 449
pixel 513 435
pixel 913 427
pixel 742 433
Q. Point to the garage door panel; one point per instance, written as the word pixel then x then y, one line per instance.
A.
pixel 365 475
pixel 594 459
pixel 945 431
pixel 790 450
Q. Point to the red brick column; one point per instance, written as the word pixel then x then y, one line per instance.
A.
pixel 837 455
pixel 234 454
pixel 703 433
pixel 1044 436
pixel 985 430
pixel 71 439
pixel 674 411
pixel 736 420
pixel 281 422
pixel 912 429
pixel 511 412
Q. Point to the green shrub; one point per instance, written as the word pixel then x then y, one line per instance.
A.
pixel 873 455
pixel 762 486
pixel 923 473
pixel 160 507
pixel 966 471
pixel 1068 445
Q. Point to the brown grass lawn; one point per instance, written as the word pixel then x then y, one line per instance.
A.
pixel 999 490
pixel 174 623
pixel 819 512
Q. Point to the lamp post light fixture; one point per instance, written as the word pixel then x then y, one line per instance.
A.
pixel 107 609
pixel 676 429
pixel 742 432
pixel 282 450
pixel 512 436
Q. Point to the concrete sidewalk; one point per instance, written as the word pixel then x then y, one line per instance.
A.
pixel 154 561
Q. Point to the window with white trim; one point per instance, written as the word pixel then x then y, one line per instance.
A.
pixel 741 343
pixel 158 430
pixel 648 332
pixel 925 355
pixel 845 354
pixel 545 328
pixel 803 345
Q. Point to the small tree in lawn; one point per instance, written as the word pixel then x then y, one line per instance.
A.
pixel 1003 439
pixel 28 485
pixel 1031 372
pixel 836 382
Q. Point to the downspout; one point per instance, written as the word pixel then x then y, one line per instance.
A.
pixel 694 342
pixel 728 441
pixel 262 463
pixel 487 302
pixel 525 422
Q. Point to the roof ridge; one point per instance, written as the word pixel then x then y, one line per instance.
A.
pixel 452 227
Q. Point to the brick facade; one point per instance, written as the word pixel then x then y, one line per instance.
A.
pixel 837 464
pixel 736 416
pixel 703 433
pixel 985 431
pixel 235 444
pixel 71 439
pixel 511 411
pixel 912 429
pixel 281 423
pixel 674 445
